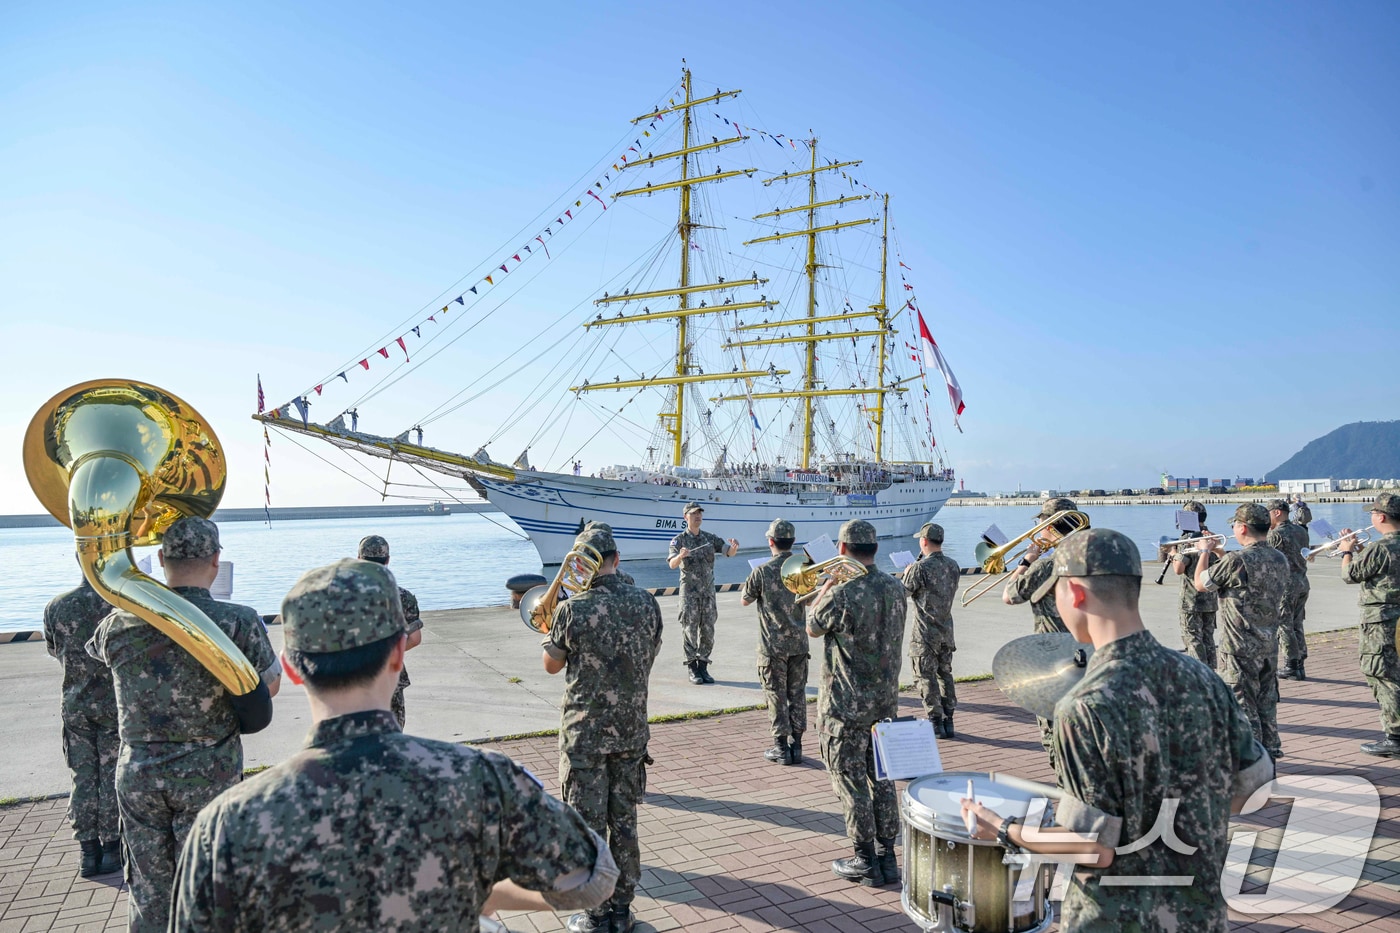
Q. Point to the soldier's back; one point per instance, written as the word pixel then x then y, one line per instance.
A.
pixel 70 620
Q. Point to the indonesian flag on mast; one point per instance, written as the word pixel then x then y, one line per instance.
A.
pixel 933 358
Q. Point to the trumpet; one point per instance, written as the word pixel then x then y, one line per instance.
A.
pixel 1192 545
pixel 1362 537
pixel 803 578
pixel 1045 536
pixel 576 573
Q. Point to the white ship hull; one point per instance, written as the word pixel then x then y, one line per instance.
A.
pixel 551 507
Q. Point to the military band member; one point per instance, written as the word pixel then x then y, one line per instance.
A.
pixel 1197 609
pixel 783 651
pixel 1136 700
pixel 376 549
pixel 932 582
pixel 861 625
pixel 1302 515
pixel 367 828
pixel 1026 578
pixel 179 726
pixel 1251 584
pixel 1377 569
pixel 90 741
pixel 693 553
pixel 605 640
pixel 1290 540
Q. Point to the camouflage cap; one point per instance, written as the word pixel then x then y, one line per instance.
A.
pixel 343 605
pixel 692 507
pixel 933 532
pixel 1252 514
pixel 1387 503
pixel 190 538
pixel 1280 504
pixel 1194 506
pixel 857 531
pixel 1057 504
pixel 598 536
pixel 374 547
pixel 781 530
pixel 1093 552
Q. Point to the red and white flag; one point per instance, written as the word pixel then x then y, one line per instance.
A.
pixel 933 358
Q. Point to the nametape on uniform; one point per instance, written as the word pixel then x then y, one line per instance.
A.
pixel 1188 520
pixel 902 559
pixel 904 750
pixel 820 549
pixel 995 536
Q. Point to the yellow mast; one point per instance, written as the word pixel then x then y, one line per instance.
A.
pixel 677 417
pixel 884 317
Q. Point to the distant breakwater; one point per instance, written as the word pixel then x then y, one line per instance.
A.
pixel 288 514
pixel 1360 495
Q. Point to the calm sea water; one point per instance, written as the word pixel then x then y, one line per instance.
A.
pixel 458 561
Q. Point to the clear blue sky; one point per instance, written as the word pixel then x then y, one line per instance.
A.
pixel 1146 236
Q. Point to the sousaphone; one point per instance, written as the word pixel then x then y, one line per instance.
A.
pixel 119 461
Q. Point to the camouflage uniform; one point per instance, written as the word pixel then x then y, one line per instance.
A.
pixel 1251 584
pixel 1377 569
pixel 90 742
pixel 1047 619
pixel 932 582
pixel 1147 725
pixel 861 624
pixel 698 612
pixel 179 732
pixel 415 622
pixel 783 651
pixel 370 829
pixel 608 636
pixel 1198 613
pixel 1289 540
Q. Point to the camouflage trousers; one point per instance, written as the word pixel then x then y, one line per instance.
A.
pixel 697 620
pixel 1254 680
pixel 396 701
pixel 784 683
pixel 90 750
pixel 1381 667
pixel 933 673
pixel 1292 643
pixel 869 805
pixel 1198 634
pixel 159 793
pixel 605 790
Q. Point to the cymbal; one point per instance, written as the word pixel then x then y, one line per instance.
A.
pixel 1035 671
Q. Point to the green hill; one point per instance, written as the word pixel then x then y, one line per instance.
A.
pixel 1364 450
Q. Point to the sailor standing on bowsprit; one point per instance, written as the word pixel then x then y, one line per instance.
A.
pixel 693 553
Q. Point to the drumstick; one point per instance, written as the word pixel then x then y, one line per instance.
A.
pixel 971 818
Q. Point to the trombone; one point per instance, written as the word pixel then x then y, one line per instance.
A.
pixel 1045 536
pixel 576 573
pixel 1362 536
pixel 803 578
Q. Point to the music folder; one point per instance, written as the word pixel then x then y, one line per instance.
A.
pixel 902 559
pixel 995 536
pixel 904 749
pixel 1188 520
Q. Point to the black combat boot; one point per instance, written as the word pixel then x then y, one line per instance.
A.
pixel 885 860
pixel 947 730
pixel 694 668
pixel 1290 671
pixel 1388 747
pixel 111 857
pixel 1302 674
pixel 590 921
pixel 795 750
pixel 91 857
pixel 779 752
pixel 622 919
pixel 861 867
pixel 705 672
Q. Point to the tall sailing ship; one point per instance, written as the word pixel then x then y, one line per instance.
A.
pixel 819 413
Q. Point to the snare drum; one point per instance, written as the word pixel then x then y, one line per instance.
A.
pixel 953 882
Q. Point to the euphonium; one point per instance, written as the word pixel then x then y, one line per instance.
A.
pixel 119 462
pixel 576 573
pixel 802 577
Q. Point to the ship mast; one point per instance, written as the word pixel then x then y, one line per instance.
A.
pixel 882 309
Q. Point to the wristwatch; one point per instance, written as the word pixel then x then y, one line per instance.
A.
pixel 1003 829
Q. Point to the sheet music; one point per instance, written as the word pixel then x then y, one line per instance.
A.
pixel 144 565
pixel 820 549
pixel 995 536
pixel 758 562
pixel 905 750
pixel 1320 527
pixel 222 587
pixel 902 559
pixel 1188 520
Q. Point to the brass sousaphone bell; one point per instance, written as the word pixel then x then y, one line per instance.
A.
pixel 119 461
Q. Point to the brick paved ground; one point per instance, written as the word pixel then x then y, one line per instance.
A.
pixel 732 842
